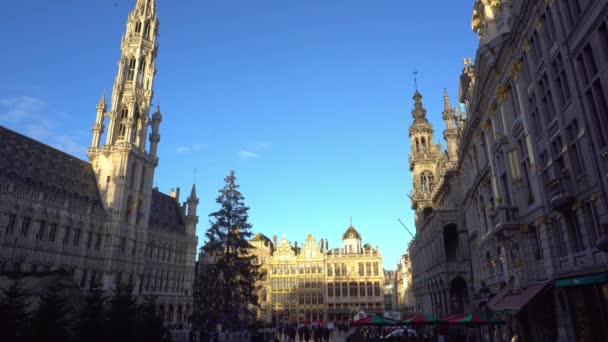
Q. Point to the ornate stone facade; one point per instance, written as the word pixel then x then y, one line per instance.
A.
pixel 439 255
pixel 313 282
pixel 530 184
pixel 102 220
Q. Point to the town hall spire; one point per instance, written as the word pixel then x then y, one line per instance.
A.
pixel 123 164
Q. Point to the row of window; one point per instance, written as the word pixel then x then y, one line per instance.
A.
pixel 365 269
pixel 72 236
pixel 353 289
pixel 49 231
pixel 165 281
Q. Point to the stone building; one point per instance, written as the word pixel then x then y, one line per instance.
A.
pixel 404 292
pixel 102 220
pixel 390 291
pixel 313 282
pixel 439 253
pixel 532 170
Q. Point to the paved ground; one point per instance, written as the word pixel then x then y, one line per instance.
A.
pixel 335 337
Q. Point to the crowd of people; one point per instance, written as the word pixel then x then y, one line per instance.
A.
pixel 309 332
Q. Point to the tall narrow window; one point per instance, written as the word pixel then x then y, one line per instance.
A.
pixel 25 226
pixel 12 218
pixel 66 236
pixel 53 232
pixel 128 207
pixel 40 234
pixel 592 222
pixel 98 241
pixel 559 238
pixel 576 238
pixel 142 69
pixel 561 80
pixel 76 237
pixel 147 30
pixel 131 75
pixel 132 178
pixel 139 211
pixel 89 240
pixel 138 27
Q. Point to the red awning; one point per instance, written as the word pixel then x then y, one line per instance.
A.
pixel 515 302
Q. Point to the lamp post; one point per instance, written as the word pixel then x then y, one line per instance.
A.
pixel 484 292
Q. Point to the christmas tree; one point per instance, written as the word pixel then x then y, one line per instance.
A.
pixel 14 317
pixel 225 289
pixel 93 317
pixel 150 327
pixel 122 314
pixel 50 322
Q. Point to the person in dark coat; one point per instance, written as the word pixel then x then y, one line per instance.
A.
pixel 326 333
pixel 301 333
pixel 306 333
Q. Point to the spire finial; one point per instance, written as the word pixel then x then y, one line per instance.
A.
pixel 350 221
pixel 446 100
pixel 415 74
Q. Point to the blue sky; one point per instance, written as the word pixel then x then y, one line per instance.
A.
pixel 309 101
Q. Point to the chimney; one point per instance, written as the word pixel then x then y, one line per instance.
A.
pixel 274 240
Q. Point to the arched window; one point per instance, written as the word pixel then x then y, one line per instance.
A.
pixel 422 145
pixel 417 146
pixel 131 74
pixel 147 30
pixel 122 130
pixel 142 68
pixel 426 181
pixel 138 27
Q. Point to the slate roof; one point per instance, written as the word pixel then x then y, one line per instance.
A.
pixel 165 213
pixel 35 164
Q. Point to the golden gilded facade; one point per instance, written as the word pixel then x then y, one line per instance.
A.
pixel 313 282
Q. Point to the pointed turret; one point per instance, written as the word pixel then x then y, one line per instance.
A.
pixel 98 126
pixel 423 158
pixel 157 118
pixel 451 132
pixel 191 217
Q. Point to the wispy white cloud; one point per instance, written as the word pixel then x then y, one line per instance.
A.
pixel 254 149
pixel 15 109
pixel 33 117
pixel 184 149
pixel 247 154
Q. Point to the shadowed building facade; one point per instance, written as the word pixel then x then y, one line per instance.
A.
pixel 528 189
pixel 102 220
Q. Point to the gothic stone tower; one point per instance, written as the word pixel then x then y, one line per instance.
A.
pixel 124 168
pixel 423 161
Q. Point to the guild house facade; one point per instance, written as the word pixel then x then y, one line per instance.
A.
pixel 312 282
pixel 102 220
pixel 523 194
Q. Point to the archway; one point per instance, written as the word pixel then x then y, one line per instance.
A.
pixel 458 295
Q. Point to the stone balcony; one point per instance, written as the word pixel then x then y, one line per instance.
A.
pixel 560 194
